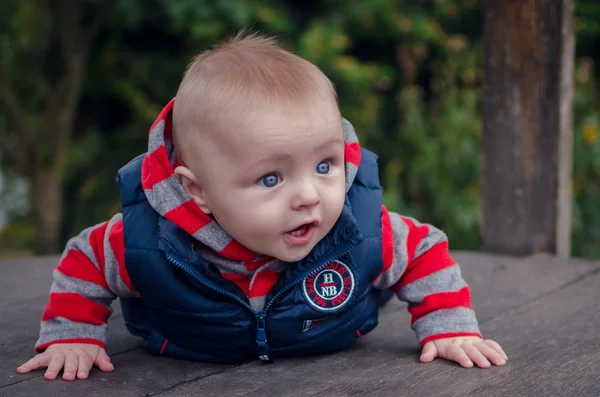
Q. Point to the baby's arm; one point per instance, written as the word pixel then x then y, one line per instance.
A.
pixel 419 269
pixel 89 276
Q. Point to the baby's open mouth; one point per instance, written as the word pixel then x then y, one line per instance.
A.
pixel 302 230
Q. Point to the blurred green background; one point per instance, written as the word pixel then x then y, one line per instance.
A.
pixel 408 74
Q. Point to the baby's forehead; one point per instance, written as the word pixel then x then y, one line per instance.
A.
pixel 280 126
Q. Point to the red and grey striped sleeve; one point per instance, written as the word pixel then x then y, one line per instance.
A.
pixel 419 269
pixel 89 276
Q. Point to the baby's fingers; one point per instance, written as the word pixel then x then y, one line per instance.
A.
pixel 41 360
pixel 71 364
pixel 492 354
pixel 456 353
pixel 85 365
pixel 476 356
pixel 57 361
pixel 494 345
pixel 103 362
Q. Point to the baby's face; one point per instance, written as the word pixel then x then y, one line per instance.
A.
pixel 276 183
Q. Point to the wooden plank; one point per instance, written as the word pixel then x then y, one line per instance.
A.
pixel 527 126
pixel 499 283
pixel 551 343
pixel 25 278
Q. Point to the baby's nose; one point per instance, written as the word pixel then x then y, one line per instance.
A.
pixel 306 196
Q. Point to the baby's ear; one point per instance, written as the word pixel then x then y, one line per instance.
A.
pixel 192 187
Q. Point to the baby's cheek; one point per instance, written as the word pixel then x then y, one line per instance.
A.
pixel 269 218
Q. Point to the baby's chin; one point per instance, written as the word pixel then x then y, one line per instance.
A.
pixel 293 255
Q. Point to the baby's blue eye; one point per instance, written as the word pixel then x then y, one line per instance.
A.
pixel 323 167
pixel 269 180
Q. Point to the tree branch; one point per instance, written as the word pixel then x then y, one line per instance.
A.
pixel 16 147
pixel 89 33
pixel 9 98
pixel 74 39
pixel 12 153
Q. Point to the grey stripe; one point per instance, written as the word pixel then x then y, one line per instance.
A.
pixel 275 266
pixel 400 261
pixel 445 280
pixel 458 319
pixel 82 244
pixel 91 291
pixel 435 236
pixel 156 138
pixel 351 171
pixel 172 154
pixel 111 266
pixel 223 264
pixel 60 328
pixel 348 131
pixel 213 236
pixel 167 195
pixel 258 302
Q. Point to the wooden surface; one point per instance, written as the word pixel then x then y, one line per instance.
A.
pixel 527 139
pixel 544 311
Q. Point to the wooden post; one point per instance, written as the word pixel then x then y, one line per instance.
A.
pixel 527 140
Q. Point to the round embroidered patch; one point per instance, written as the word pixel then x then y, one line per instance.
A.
pixel 330 288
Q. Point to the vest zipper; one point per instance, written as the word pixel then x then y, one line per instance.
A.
pixel 262 344
pixel 183 266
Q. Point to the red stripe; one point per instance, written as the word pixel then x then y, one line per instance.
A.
pixel 415 235
pixel 155 168
pixel 168 132
pixel 436 259
pixel 352 153
pixel 89 341
pixel 263 282
pixel 75 307
pixel 189 217
pixel 449 335
pixel 75 264
pixel 164 113
pixel 387 240
pixel 241 280
pixel 116 239
pixel 441 301
pixel 164 346
pixel 236 251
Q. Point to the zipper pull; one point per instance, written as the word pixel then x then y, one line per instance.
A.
pixel 262 345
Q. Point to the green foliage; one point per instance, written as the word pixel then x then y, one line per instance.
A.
pixel 408 75
pixel 586 172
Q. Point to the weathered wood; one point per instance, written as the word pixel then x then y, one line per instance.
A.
pixel 524 304
pixel 527 126
pixel 500 283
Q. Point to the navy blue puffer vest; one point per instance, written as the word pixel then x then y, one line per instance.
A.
pixel 186 310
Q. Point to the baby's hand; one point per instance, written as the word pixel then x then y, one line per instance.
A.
pixel 76 358
pixel 465 350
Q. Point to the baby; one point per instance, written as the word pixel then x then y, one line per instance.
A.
pixel 253 227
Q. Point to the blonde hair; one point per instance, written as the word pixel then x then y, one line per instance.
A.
pixel 237 75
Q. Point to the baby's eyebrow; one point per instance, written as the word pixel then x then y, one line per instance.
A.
pixel 274 158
